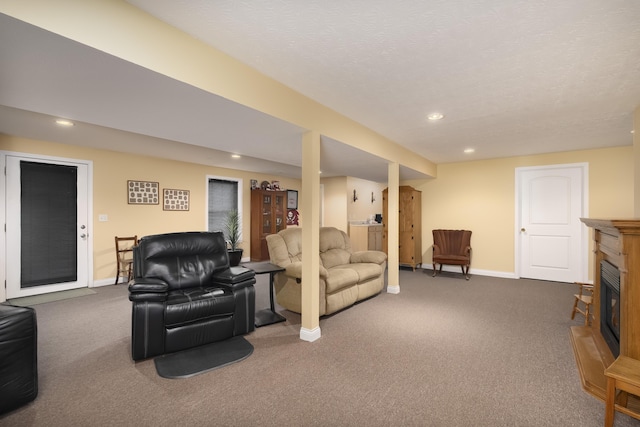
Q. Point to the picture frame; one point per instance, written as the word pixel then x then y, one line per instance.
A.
pixel 292 199
pixel 175 200
pixel 143 192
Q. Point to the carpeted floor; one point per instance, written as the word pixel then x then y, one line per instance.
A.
pixel 443 352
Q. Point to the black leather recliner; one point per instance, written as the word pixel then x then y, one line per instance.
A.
pixel 185 294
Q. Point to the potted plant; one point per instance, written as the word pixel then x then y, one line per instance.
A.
pixel 233 227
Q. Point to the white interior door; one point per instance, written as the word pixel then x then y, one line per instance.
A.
pixel 57 219
pixel 552 239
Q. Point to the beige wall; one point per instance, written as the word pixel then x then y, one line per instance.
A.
pixel 480 196
pixel 361 209
pixel 111 170
pixel 335 202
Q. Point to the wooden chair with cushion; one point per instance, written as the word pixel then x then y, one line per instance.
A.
pixel 452 247
pixel 124 257
pixel 584 297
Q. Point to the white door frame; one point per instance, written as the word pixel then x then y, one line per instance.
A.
pixel 3 212
pixel 584 243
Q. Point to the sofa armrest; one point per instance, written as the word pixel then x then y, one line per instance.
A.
pixel 148 289
pixel 376 257
pixel 234 277
pixel 294 270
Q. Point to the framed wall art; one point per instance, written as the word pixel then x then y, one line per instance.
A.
pixel 175 200
pixel 292 199
pixel 142 193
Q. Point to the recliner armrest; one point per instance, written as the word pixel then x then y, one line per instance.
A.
pixel 148 285
pixel 294 270
pixel 376 257
pixel 148 289
pixel 234 277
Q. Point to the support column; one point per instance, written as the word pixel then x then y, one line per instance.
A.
pixel 636 162
pixel 393 227
pixel 310 206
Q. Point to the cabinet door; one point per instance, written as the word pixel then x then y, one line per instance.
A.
pixel 279 211
pixel 267 214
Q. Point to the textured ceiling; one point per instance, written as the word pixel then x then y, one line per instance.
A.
pixel 512 77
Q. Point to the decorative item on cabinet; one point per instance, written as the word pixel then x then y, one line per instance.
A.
pixel 268 216
pixel 292 199
pixel 410 225
pixel 293 217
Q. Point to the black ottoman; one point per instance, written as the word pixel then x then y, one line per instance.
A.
pixel 18 356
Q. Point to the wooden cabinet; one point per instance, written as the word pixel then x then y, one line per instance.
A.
pixel 375 238
pixel 268 216
pixel 365 237
pixel 410 225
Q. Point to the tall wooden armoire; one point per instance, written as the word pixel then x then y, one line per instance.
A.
pixel 268 216
pixel 410 224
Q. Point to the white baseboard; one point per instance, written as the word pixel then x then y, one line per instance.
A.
pixel 473 271
pixel 107 282
pixel 310 335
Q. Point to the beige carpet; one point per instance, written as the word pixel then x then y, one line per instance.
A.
pixel 443 352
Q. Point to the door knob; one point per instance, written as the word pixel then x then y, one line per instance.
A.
pixel 523 229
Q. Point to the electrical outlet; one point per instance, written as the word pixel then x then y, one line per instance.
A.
pixel 103 217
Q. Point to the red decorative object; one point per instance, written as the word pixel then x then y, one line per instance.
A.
pixel 292 217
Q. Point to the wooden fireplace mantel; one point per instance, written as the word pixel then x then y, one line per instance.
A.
pixel 616 241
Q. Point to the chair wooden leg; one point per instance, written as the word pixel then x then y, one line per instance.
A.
pixel 587 315
pixel 610 403
pixel 465 271
pixel 435 269
pixel 575 307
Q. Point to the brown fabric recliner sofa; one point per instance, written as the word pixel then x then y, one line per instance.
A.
pixel 452 247
pixel 346 277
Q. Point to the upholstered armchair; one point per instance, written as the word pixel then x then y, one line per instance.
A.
pixel 184 294
pixel 452 247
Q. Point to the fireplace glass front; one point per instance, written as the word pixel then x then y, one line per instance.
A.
pixel 610 305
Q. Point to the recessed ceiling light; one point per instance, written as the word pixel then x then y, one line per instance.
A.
pixel 236 156
pixel 435 116
pixel 469 150
pixel 64 122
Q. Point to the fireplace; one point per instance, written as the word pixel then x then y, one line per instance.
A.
pixel 610 305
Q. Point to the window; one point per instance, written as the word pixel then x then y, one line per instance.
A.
pixel 223 196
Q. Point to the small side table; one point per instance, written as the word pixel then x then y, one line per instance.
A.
pixel 623 375
pixel 268 316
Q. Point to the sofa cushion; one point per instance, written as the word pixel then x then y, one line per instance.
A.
pixel 196 304
pixel 340 278
pixel 366 271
